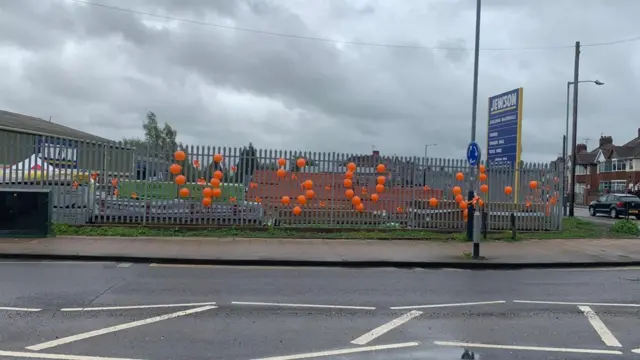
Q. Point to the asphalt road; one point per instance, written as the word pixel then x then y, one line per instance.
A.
pixel 107 311
pixel 583 213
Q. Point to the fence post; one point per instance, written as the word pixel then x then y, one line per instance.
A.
pixel 512 222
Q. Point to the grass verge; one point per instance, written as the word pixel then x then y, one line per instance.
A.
pixel 572 228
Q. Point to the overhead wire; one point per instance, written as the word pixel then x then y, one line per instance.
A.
pixel 346 42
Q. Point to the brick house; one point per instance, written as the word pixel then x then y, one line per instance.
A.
pixel 607 168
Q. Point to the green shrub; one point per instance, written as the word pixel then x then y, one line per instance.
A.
pixel 626 227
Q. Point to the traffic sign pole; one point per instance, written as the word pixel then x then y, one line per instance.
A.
pixel 473 218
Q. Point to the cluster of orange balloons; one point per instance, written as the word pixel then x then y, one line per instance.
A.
pixel 348 183
pixel 307 186
pixel 208 192
pixel 281 172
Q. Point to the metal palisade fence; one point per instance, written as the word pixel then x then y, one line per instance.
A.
pixel 113 183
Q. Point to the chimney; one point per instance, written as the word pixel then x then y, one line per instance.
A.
pixel 606 140
pixel 581 147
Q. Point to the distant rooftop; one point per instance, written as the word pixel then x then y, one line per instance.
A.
pixel 19 122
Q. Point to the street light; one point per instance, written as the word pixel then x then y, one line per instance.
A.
pixel 566 138
pixel 426 146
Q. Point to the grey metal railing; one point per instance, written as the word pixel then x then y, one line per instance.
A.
pixel 114 183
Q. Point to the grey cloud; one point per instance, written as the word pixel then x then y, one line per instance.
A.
pixel 319 95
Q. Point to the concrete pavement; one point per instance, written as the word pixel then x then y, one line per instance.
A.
pixel 318 252
pixel 123 311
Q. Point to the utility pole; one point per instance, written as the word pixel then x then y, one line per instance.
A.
pixel 471 215
pixel 576 72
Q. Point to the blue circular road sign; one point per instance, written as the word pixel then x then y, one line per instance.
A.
pixel 473 153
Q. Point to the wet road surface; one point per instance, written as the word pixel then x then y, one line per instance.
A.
pixel 107 311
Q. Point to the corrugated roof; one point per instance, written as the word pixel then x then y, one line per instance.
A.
pixel 20 122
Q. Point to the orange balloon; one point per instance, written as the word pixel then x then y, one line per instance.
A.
pixel 349 193
pixel 184 192
pixel 281 173
pixel 533 184
pixel 215 183
pixel 348 175
pixel 465 213
pixel 175 169
pixel 459 176
pixel 381 180
pixel 380 168
pixel 301 163
pixel 463 204
pixel 285 200
pixel 379 188
pixel 179 155
pixel 282 162
pixel 302 199
pixel 309 194
pixel 484 188
pixel 508 190
pixel 360 207
pixel 459 198
pixel 206 201
pixel 351 167
pixel 375 197
pixel 480 202
pixel 356 200
pixel 308 184
pixel 217 158
pixel 552 201
pixel 483 177
pixel 347 183
pixel 218 174
pixel 207 192
pixel 457 190
pixel 297 211
pixel 180 180
pixel 216 192
pixel 433 202
pixel 482 169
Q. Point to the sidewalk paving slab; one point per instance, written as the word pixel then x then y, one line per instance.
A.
pixel 329 252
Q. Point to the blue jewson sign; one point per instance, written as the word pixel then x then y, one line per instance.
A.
pixel 504 129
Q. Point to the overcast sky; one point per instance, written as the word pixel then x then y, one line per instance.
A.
pixel 101 70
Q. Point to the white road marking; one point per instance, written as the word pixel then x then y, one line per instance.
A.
pixel 19 309
pixel 364 339
pixel 69 339
pixel 342 351
pixel 137 307
pixel 528 348
pixel 447 305
pixel 55 356
pixel 637 351
pixel 124 265
pixel 600 327
pixel 303 305
pixel 573 303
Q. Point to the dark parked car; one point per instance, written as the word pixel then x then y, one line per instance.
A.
pixel 616 205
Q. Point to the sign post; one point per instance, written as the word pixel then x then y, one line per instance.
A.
pixel 474 220
pixel 504 133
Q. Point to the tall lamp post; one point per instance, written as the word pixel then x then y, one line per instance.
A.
pixel 426 147
pixel 566 139
pixel 474 111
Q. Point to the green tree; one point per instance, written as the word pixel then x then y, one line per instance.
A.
pixel 159 144
pixel 247 164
